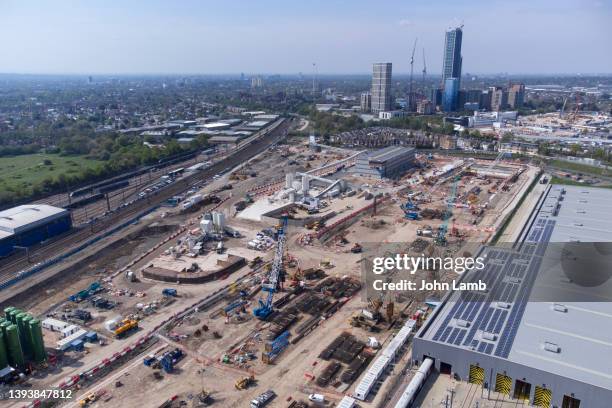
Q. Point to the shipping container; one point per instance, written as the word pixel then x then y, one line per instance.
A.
pixel 54 324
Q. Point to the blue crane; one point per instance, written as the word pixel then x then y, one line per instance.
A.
pixel 271 286
pixel 441 238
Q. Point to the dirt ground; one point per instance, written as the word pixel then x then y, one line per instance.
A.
pixel 291 374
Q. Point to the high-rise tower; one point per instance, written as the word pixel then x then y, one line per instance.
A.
pixel 381 87
pixel 452 54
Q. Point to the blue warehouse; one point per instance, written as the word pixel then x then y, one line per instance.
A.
pixel 28 225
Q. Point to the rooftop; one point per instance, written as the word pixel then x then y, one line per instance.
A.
pixel 535 312
pixel 21 218
pixel 388 153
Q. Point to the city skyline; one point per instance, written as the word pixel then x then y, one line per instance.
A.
pixel 101 38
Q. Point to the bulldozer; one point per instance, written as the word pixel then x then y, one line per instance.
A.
pixel 244 382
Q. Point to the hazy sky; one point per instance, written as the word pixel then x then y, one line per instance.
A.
pixel 287 36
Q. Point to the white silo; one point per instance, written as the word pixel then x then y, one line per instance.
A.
pixel 219 220
pixel 289 177
pixel 206 226
pixel 305 184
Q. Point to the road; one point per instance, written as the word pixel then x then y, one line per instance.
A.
pixel 10 266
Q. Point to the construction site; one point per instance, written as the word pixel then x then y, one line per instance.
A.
pixel 256 286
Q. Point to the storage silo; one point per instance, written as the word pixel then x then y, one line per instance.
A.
pixel 3 327
pixel 24 333
pixel 15 353
pixel 289 177
pixel 7 312
pixel 219 220
pixel 13 313
pixel 27 346
pixel 3 353
pixel 305 184
pixel 206 226
pixel 38 344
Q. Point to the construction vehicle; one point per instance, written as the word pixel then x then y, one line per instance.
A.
pixel 360 320
pixel 169 292
pixel 91 398
pixel 274 348
pixel 255 261
pixel 205 397
pixel 94 288
pixel 356 248
pixel 409 206
pixel 244 382
pixel 126 326
pixel 411 215
pixel 263 399
pixel 424 232
pixel 275 276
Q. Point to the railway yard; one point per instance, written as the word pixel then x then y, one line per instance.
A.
pixel 252 282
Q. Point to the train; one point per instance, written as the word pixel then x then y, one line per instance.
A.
pixel 98 187
pixel 412 389
pixel 103 187
pixel 84 201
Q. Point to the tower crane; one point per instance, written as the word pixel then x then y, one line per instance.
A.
pixel 441 237
pixel 410 90
pixel 275 276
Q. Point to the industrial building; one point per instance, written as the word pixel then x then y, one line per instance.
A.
pixel 390 162
pixel 538 332
pixel 27 225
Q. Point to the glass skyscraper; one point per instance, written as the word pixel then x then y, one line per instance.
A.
pixel 452 54
pixel 451 95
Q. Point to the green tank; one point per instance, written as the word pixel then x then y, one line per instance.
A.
pixel 13 315
pixel 24 333
pixel 13 346
pixel 27 345
pixel 7 312
pixel 3 353
pixel 3 327
pixel 38 344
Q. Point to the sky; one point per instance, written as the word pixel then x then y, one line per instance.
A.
pixel 288 36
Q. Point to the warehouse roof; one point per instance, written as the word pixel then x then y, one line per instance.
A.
pixel 24 217
pixel 388 153
pixel 536 312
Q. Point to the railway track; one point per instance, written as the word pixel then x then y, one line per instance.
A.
pixel 469 398
pixel 12 265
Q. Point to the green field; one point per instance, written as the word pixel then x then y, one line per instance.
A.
pixel 570 182
pixel 578 167
pixel 22 173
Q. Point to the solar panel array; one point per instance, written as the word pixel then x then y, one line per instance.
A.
pixel 509 275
